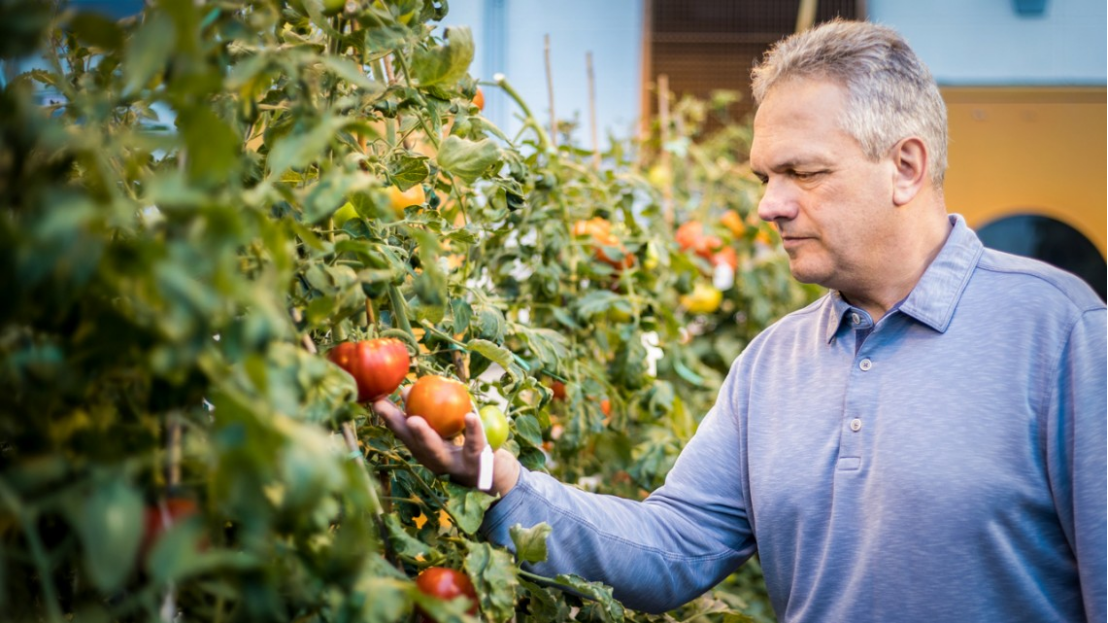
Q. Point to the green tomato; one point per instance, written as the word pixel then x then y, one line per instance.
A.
pixel 496 425
pixel 333 7
pixel 345 213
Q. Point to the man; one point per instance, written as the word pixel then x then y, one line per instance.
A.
pixel 924 443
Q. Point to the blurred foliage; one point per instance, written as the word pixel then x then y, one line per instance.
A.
pixel 173 262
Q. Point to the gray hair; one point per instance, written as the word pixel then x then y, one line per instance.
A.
pixel 891 93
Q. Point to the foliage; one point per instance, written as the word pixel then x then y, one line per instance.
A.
pixel 174 269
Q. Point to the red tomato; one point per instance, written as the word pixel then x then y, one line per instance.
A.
pixel 559 389
pixel 479 99
pixel 608 247
pixel 447 584
pixel 443 402
pixel 690 236
pixel 378 366
pixel 156 523
pixel 726 255
pixel 606 406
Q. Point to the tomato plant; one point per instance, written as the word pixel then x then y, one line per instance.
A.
pixel 178 294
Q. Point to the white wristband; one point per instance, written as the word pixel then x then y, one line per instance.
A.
pixel 484 469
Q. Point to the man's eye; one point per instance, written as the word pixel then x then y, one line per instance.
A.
pixel 805 175
pixel 764 179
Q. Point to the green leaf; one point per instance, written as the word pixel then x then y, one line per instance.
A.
pixel 467 507
pixel 447 63
pixel 527 429
pixel 467 159
pixel 111 527
pixel 346 69
pixel 498 354
pixel 493 573
pixel 610 610
pixel 407 170
pixel 530 542
pixel 148 51
pixel 461 313
pixel 302 148
pixel 97 31
pixel 213 150
pixel 403 543
pixel 544 605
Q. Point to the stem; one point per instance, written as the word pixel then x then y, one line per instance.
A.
pixel 399 309
pixel 544 138
pixel 550 91
pixel 592 111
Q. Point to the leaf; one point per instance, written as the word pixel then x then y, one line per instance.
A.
pixel 346 69
pixel 447 63
pixel 111 528
pixel 406 170
pixel 467 159
pixel 550 346
pixel 302 148
pixel 467 507
pixel 610 610
pixel 493 573
pixel 530 542
pixel 97 31
pixel 527 429
pixel 595 303
pixel 213 149
pixel 403 543
pixel 461 314
pixel 498 354
pixel 148 51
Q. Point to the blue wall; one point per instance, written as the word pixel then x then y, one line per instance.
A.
pixel 985 42
pixel 509 39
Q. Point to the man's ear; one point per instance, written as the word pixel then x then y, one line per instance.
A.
pixel 911 160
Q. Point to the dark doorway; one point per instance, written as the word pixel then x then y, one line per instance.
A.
pixel 1051 241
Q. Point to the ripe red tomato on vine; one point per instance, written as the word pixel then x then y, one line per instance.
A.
pixel 378 366
pixel 447 584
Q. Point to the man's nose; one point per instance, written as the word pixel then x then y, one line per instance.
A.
pixel 778 202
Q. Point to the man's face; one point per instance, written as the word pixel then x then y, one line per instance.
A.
pixel 831 204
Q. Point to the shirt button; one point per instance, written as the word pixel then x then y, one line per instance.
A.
pixel 865 364
pixel 855 318
pixel 855 425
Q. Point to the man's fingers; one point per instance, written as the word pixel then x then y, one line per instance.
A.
pixel 394 419
pixel 475 435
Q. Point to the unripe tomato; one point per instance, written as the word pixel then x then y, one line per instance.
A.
pixel 343 214
pixel 333 7
pixel 443 402
pixel 400 199
pixel 495 424
pixel 704 299
pixel 479 99
pixel 447 584
pixel 378 366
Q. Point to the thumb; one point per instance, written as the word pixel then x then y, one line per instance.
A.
pixel 475 436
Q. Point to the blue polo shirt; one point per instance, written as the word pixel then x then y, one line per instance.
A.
pixel 946 463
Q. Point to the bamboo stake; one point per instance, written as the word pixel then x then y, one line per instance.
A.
pixel 665 159
pixel 592 111
pixel 806 15
pixel 550 92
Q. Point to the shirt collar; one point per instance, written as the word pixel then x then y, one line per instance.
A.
pixel 935 296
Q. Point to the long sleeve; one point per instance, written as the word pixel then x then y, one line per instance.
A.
pixel 659 553
pixel 1076 429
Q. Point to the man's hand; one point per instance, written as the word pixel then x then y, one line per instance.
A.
pixel 442 456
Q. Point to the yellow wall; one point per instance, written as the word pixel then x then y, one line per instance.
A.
pixel 1029 150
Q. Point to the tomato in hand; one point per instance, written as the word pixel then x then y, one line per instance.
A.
pixel 443 402
pixel 447 584
pixel 378 366
pixel 495 424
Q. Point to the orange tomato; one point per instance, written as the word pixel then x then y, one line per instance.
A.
pixel 479 99
pixel 733 222
pixel 400 199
